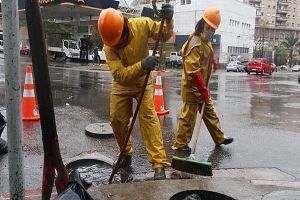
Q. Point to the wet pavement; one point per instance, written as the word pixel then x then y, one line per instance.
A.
pixel 260 112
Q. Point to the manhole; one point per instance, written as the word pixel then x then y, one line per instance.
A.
pixel 200 195
pixel 99 130
pixel 94 171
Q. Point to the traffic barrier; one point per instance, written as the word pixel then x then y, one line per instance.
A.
pixel 158 96
pixel 29 110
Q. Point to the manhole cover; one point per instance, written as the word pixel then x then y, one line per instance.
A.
pixel 99 130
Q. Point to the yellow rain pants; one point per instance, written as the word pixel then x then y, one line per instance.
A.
pixel 126 69
pixel 197 52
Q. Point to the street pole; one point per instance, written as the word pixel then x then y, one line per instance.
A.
pixel 262 46
pixel 10 19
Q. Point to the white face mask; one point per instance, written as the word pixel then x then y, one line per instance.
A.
pixel 208 33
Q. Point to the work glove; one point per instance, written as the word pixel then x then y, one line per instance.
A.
pixel 149 63
pixel 167 12
pixel 215 63
pixel 201 86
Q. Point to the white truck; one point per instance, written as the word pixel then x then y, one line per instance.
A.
pixel 101 56
pixel 58 46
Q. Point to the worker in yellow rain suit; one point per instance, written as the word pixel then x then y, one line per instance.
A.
pixel 127 55
pixel 198 60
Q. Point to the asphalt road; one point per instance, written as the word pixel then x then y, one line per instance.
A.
pixel 260 112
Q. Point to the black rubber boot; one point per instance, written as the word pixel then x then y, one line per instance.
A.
pixel 125 162
pixel 159 174
pixel 184 151
pixel 3 146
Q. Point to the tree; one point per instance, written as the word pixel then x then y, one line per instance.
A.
pixel 96 39
pixel 280 56
pixel 290 43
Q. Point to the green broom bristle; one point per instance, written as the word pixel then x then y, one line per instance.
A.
pixel 190 165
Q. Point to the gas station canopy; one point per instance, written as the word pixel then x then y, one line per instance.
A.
pixel 85 11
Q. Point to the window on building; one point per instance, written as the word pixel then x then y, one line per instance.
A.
pixel 188 1
pixel 182 2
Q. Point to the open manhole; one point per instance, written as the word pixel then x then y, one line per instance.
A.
pixel 200 195
pixel 99 130
pixel 97 172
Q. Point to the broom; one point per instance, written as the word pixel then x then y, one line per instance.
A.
pixel 190 164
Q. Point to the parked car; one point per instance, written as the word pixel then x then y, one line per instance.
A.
pixel 1 49
pixel 245 63
pixel 174 59
pixel 235 66
pixel 283 68
pixel 274 67
pixel 259 65
pixel 296 68
pixel 25 50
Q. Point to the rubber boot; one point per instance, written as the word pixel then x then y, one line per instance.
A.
pixel 159 174
pixel 125 162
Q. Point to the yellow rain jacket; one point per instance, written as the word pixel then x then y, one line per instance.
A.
pixel 197 56
pixel 126 69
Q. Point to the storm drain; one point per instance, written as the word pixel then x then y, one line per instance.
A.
pixel 200 195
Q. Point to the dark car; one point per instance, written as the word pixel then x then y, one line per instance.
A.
pixel 274 67
pixel 25 50
pixel 245 64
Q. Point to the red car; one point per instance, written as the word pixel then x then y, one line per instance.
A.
pixel 25 50
pixel 259 66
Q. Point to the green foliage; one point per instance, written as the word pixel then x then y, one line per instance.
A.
pixel 280 56
pixel 96 38
pixel 52 27
pixel 290 43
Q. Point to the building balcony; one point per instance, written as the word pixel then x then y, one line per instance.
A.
pixel 280 25
pixel 283 11
pixel 281 18
pixel 283 3
pixel 255 1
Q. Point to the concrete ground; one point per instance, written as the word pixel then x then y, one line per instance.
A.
pixel 246 184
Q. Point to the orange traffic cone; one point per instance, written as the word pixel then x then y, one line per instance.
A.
pixel 29 110
pixel 159 97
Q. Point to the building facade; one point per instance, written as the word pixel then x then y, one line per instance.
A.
pixel 234 39
pixel 275 20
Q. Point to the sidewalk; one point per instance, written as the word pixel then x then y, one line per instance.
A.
pixel 244 184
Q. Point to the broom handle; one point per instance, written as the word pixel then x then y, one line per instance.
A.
pixel 200 119
pixel 198 128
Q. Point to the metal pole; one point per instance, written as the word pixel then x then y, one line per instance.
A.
pixel 10 19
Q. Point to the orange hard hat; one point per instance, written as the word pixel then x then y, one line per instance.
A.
pixel 110 25
pixel 212 17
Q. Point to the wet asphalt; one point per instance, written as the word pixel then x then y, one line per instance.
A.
pixel 260 112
